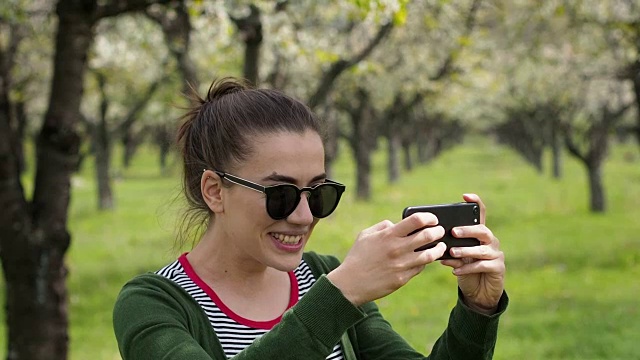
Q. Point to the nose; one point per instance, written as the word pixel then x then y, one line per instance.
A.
pixel 302 214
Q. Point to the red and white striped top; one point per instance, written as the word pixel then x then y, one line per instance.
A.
pixel 235 332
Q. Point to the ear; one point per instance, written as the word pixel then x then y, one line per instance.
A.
pixel 211 189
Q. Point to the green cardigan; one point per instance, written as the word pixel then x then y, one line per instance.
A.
pixel 156 319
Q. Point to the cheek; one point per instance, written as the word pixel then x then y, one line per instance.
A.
pixel 313 224
pixel 243 203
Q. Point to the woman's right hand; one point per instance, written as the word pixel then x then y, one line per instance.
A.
pixel 383 259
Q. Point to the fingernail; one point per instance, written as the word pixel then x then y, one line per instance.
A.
pixel 455 252
pixel 455 232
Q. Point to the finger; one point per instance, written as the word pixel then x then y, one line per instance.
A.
pixel 481 252
pixel 414 222
pixel 476 199
pixel 433 254
pixel 480 232
pixel 384 224
pixel 453 263
pixel 418 268
pixel 495 266
pixel 425 236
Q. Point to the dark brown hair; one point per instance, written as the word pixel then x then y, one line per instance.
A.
pixel 215 133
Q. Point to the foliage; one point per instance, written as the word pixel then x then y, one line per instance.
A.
pixel 571 274
pixel 34 22
pixel 578 55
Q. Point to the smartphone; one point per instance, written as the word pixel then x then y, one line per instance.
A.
pixel 449 216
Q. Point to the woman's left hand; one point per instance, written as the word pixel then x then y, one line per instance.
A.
pixel 480 269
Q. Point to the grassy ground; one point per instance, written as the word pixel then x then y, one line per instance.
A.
pixel 572 275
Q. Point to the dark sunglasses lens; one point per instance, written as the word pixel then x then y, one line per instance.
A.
pixel 281 201
pixel 323 200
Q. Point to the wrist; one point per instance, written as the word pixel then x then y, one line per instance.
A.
pixel 479 308
pixel 342 283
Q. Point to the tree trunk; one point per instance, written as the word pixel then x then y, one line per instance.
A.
pixel 165 148
pixel 556 152
pixel 423 151
pixel 399 119
pixel 393 163
pixel 636 90
pixel 525 132
pixel 34 238
pixel 103 159
pixel 362 141
pixel 427 144
pixel 21 120
pixel 163 140
pixel 597 138
pixel 408 158
pixel 331 141
pixel 176 27
pixel 102 152
pixel 252 62
pixel 250 28
pixel 596 188
pixel 253 42
pixel 364 132
pixel 363 171
pixel 130 145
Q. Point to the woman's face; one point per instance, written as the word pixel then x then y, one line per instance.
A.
pixel 253 236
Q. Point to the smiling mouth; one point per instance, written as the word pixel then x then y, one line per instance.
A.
pixel 287 239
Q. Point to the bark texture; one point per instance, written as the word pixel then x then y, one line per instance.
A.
pixel 33 234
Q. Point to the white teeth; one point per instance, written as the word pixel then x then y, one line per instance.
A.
pixel 288 239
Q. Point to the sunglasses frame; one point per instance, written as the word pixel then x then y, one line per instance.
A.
pixel 340 188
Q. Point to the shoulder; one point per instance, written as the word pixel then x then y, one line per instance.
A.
pixel 150 281
pixel 151 289
pixel 320 264
pixel 152 314
pixel 152 296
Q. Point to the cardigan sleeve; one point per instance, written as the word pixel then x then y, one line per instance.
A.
pixel 153 321
pixel 310 329
pixel 469 335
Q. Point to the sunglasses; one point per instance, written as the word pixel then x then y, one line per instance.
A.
pixel 283 199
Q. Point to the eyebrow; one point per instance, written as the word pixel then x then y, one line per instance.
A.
pixel 289 179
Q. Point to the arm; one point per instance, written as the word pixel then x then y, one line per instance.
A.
pixel 469 335
pixel 310 329
pixel 153 323
pixel 152 320
pixel 473 323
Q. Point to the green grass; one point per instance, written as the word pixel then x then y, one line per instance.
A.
pixel 571 275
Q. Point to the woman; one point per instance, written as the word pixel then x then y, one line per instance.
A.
pixel 254 175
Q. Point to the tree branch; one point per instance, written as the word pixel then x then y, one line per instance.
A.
pixel 447 65
pixel 341 65
pixel 573 148
pixel 616 115
pixel 176 28
pixel 133 113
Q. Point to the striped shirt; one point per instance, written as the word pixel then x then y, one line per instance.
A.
pixel 234 332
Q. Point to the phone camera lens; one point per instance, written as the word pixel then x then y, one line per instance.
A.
pixel 476 210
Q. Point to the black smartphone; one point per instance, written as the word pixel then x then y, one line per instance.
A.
pixel 449 216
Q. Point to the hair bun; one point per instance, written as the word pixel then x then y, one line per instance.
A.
pixel 226 86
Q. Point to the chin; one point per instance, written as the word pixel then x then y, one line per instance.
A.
pixel 288 263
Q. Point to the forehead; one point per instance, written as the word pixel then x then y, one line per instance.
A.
pixel 299 155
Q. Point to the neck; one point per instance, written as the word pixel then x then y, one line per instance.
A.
pixel 216 258
pixel 240 281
